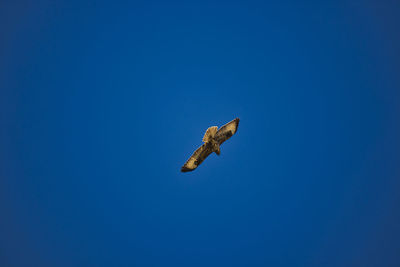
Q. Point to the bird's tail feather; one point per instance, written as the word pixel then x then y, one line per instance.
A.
pixel 210 133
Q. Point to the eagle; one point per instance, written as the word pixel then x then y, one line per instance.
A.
pixel 212 139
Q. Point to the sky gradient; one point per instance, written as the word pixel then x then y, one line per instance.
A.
pixel 101 104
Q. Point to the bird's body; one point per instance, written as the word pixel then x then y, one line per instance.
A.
pixel 212 139
pixel 209 139
pixel 215 146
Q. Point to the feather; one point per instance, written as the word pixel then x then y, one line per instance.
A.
pixel 210 133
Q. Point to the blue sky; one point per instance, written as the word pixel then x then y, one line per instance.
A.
pixel 101 104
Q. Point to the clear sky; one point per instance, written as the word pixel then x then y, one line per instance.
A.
pixel 101 104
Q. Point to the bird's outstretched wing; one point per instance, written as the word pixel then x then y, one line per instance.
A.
pixel 226 131
pixel 197 158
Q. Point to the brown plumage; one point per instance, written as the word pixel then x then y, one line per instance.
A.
pixel 212 140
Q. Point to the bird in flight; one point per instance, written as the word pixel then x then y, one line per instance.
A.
pixel 212 139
